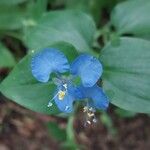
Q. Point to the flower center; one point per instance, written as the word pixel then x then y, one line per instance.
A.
pixel 62 92
pixel 61 95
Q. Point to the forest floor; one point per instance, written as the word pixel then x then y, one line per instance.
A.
pixel 22 129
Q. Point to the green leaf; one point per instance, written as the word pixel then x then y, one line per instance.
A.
pixel 11 2
pixel 90 6
pixel 35 9
pixel 21 87
pixel 6 58
pixel 124 114
pixel 126 77
pixel 68 50
pixel 94 7
pixel 11 17
pixel 132 17
pixel 73 27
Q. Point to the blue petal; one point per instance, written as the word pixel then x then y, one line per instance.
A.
pixel 88 68
pixel 76 92
pixel 96 94
pixel 47 61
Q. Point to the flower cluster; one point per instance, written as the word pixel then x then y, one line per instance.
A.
pixel 85 67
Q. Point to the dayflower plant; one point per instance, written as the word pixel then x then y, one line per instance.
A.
pixel 87 67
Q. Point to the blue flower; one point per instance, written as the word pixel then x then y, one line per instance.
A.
pixel 87 67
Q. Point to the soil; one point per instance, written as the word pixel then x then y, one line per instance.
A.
pixel 22 129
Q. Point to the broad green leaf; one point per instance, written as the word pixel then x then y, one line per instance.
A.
pixel 11 2
pixel 90 6
pixel 11 17
pixel 35 9
pixel 126 77
pixel 14 17
pixel 94 7
pixel 124 114
pixel 21 87
pixel 132 17
pixel 6 58
pixel 73 27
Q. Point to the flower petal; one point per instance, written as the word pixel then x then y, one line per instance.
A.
pixel 75 91
pixel 47 61
pixel 99 99
pixel 88 68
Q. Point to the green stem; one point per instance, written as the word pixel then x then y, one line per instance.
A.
pixel 70 130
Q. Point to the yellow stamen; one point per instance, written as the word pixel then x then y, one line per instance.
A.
pixel 61 95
